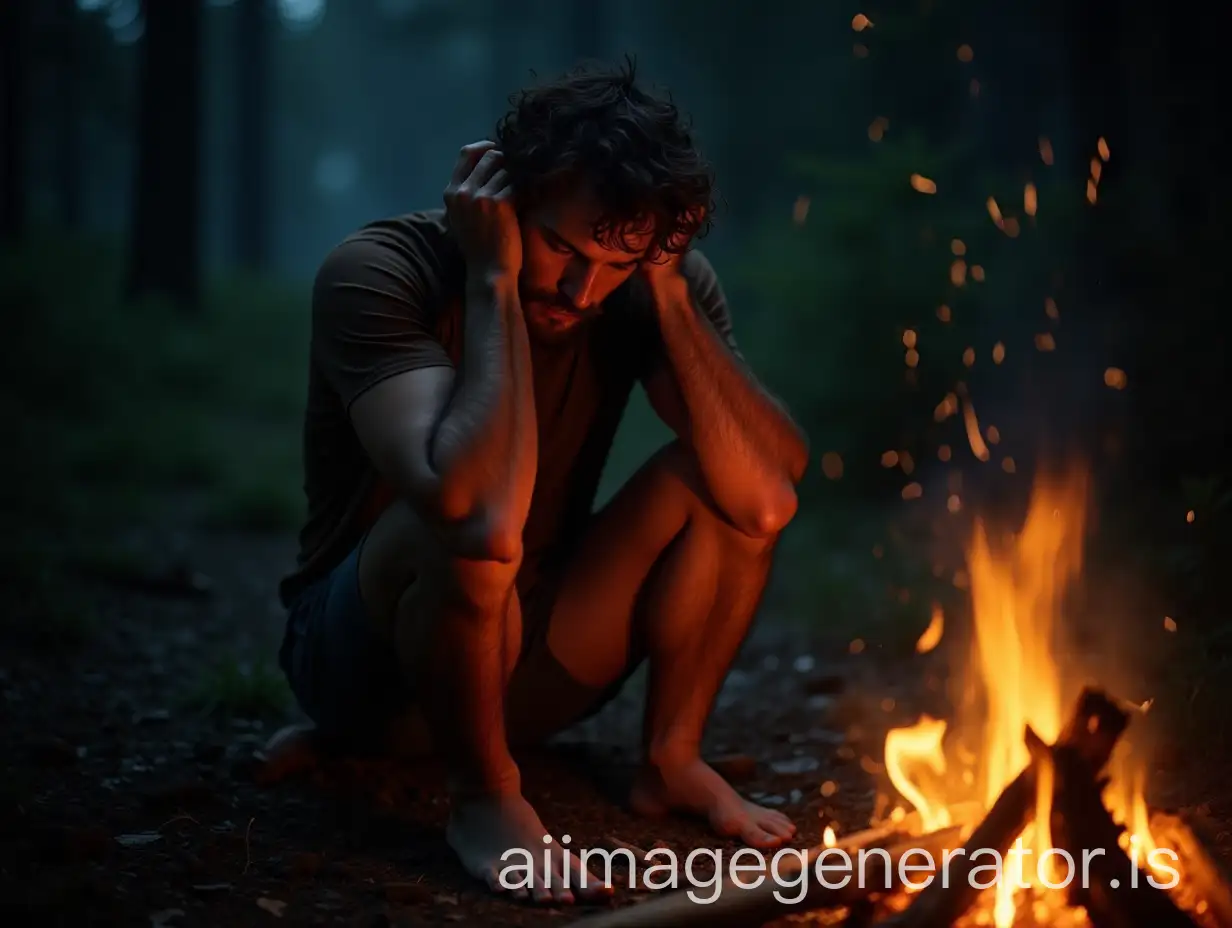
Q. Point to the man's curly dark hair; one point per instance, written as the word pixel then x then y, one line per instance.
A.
pixel 634 150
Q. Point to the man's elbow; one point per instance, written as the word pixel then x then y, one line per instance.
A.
pixel 474 528
pixel 799 456
pixel 771 512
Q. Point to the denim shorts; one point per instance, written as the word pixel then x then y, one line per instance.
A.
pixel 348 680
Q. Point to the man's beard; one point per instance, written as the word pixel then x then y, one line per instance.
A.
pixel 539 303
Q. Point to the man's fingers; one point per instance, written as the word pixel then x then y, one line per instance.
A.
pixel 489 163
pixel 468 157
pixel 496 184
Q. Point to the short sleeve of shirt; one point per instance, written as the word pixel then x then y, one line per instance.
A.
pixel 374 316
pixel 709 299
pixel 708 296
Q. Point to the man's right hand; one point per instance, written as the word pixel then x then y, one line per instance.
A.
pixel 480 210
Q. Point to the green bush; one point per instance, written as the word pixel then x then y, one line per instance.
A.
pixel 113 402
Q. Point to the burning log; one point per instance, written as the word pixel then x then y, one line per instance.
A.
pixel 741 907
pixel 1089 737
pixel 1114 890
pixel 1204 878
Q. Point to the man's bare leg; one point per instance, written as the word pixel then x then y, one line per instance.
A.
pixel 456 625
pixel 662 574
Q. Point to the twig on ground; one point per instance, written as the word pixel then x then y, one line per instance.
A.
pixel 617 844
pixel 181 817
pixel 247 846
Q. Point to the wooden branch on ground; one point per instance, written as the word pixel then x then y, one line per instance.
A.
pixel 871 873
pixel 1201 876
pixel 1089 736
pixel 1114 889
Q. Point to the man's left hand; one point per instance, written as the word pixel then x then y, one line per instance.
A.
pixel 660 268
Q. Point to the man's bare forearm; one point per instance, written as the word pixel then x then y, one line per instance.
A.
pixel 750 450
pixel 485 447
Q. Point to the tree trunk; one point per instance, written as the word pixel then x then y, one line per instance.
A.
pixel 164 247
pixel 12 121
pixel 68 167
pixel 252 58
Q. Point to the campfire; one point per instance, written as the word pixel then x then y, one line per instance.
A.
pixel 1028 801
pixel 1056 791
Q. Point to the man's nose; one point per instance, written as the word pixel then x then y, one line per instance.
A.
pixel 579 284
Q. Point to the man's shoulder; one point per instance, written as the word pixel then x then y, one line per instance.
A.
pixel 417 227
pixel 413 245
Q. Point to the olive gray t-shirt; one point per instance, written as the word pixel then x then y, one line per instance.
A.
pixel 388 299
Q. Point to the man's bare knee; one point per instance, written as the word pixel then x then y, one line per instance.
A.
pixel 403 561
pixel 474 588
pixel 679 468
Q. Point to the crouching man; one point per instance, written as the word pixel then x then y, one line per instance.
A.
pixel 469 368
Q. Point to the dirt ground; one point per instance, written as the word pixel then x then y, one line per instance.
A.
pixel 126 805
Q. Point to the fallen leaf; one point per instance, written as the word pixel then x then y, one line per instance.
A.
pixel 406 893
pixel 274 906
pixel 151 716
pixel 139 840
pixel 795 765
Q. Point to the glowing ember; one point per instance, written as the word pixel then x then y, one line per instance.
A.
pixel 994 212
pixel 1016 589
pixel 932 635
pixel 832 465
pixel 972 425
pixel 1030 200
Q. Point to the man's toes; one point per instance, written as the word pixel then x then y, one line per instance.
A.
pixel 755 836
pixel 539 889
pixel 492 878
pixel 558 892
pixel 776 823
pixel 588 886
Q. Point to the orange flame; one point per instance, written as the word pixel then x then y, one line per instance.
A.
pixel 1016 589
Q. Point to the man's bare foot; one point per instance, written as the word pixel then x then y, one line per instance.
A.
pixel 504 835
pixel 693 786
